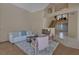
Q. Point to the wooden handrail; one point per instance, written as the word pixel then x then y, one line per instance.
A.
pixel 54 22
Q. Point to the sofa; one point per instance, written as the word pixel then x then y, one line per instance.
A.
pixel 18 36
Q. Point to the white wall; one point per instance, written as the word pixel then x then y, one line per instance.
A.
pixel 73 21
pixel 72 24
pixel 17 19
pixel 37 21
pixel 73 5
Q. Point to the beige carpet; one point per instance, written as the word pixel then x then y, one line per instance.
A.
pixel 7 48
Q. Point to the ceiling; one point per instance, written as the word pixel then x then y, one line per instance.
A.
pixel 31 7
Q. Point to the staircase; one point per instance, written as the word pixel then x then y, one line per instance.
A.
pixel 52 24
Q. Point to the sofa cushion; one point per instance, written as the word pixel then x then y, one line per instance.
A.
pixel 23 33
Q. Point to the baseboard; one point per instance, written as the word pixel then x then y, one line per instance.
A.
pixel 3 41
